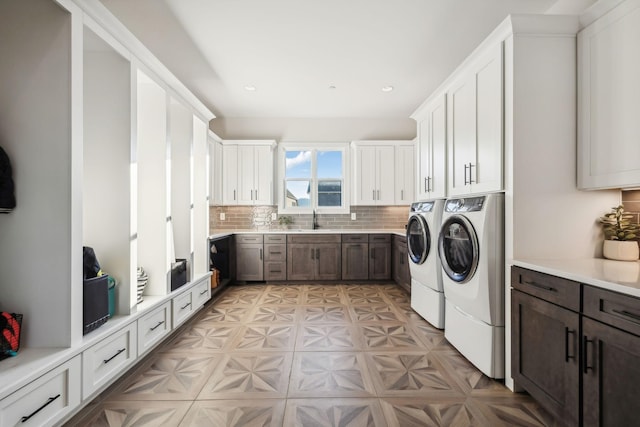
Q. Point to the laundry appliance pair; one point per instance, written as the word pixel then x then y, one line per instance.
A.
pixel 456 249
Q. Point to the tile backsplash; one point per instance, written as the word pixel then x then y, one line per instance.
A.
pixel 631 202
pixel 259 218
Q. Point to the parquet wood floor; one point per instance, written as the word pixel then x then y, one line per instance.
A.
pixel 309 355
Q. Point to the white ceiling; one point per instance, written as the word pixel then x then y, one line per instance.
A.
pixel 293 50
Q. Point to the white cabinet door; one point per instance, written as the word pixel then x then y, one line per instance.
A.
pixel 474 117
pixel 263 175
pixel 246 174
pixel 424 159
pixel 230 174
pixel 437 187
pixel 432 145
pixel 216 175
pixel 608 100
pixel 385 161
pixel 487 173
pixel 405 174
pixel 366 183
pixel 461 117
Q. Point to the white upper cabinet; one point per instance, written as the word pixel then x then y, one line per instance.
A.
pixel 432 143
pixel 248 173
pixel 374 175
pixel 609 100
pixel 215 186
pixel 383 172
pixel 230 174
pixel 405 174
pixel 474 126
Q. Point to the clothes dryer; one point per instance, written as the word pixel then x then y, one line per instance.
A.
pixel 427 295
pixel 471 248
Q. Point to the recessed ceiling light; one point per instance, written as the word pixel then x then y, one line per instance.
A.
pixel 332 87
pixel 387 88
pixel 250 88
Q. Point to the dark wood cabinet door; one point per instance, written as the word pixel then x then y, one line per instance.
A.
pixel 300 261
pixel 328 261
pixel 611 376
pixel 545 354
pixel 355 261
pixel 249 260
pixel 379 261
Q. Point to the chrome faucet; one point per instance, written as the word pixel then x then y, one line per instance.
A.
pixel 314 224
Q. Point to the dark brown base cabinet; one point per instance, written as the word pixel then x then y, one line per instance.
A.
pixel 314 257
pixel 249 257
pixel 379 257
pixel 401 272
pixel 579 356
pixel 366 257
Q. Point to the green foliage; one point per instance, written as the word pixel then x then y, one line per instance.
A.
pixel 285 220
pixel 617 225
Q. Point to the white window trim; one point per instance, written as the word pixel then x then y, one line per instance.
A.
pixel 315 147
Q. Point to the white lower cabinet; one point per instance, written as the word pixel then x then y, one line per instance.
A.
pixel 153 327
pixel 46 400
pixel 182 307
pixel 201 293
pixel 108 358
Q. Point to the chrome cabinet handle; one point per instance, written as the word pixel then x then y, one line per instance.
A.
pixel 204 292
pixel 47 403
pixel 401 194
pixel 378 194
pixel 260 254
pixel 471 180
pixel 185 306
pixel 317 253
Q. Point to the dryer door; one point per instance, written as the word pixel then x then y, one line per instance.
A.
pixel 418 239
pixel 458 248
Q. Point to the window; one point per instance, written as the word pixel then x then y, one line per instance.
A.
pixel 313 178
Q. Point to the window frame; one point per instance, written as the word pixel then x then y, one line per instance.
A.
pixel 314 147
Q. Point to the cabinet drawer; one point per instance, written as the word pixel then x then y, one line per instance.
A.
pixel 181 307
pixel 275 238
pixel 313 238
pixel 46 400
pixel 201 293
pixel 379 238
pixel 619 310
pixel 249 238
pixel 106 359
pixel 556 290
pixel 275 252
pixel 355 238
pixel 275 270
pixel 153 327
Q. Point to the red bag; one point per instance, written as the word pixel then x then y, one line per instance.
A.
pixel 10 324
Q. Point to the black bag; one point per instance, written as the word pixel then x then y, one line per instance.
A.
pixel 7 194
pixel 90 264
pixel 10 325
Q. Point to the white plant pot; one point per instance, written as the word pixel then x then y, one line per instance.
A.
pixel 621 250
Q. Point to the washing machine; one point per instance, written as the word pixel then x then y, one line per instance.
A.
pixel 427 295
pixel 471 249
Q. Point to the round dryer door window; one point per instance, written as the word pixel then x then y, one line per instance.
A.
pixel 458 248
pixel 418 239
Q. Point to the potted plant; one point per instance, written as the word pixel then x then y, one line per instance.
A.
pixel 620 235
pixel 284 221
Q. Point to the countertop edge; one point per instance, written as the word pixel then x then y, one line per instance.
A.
pixel 617 276
pixel 224 233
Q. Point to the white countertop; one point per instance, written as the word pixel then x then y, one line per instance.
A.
pixel 618 276
pixel 224 233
